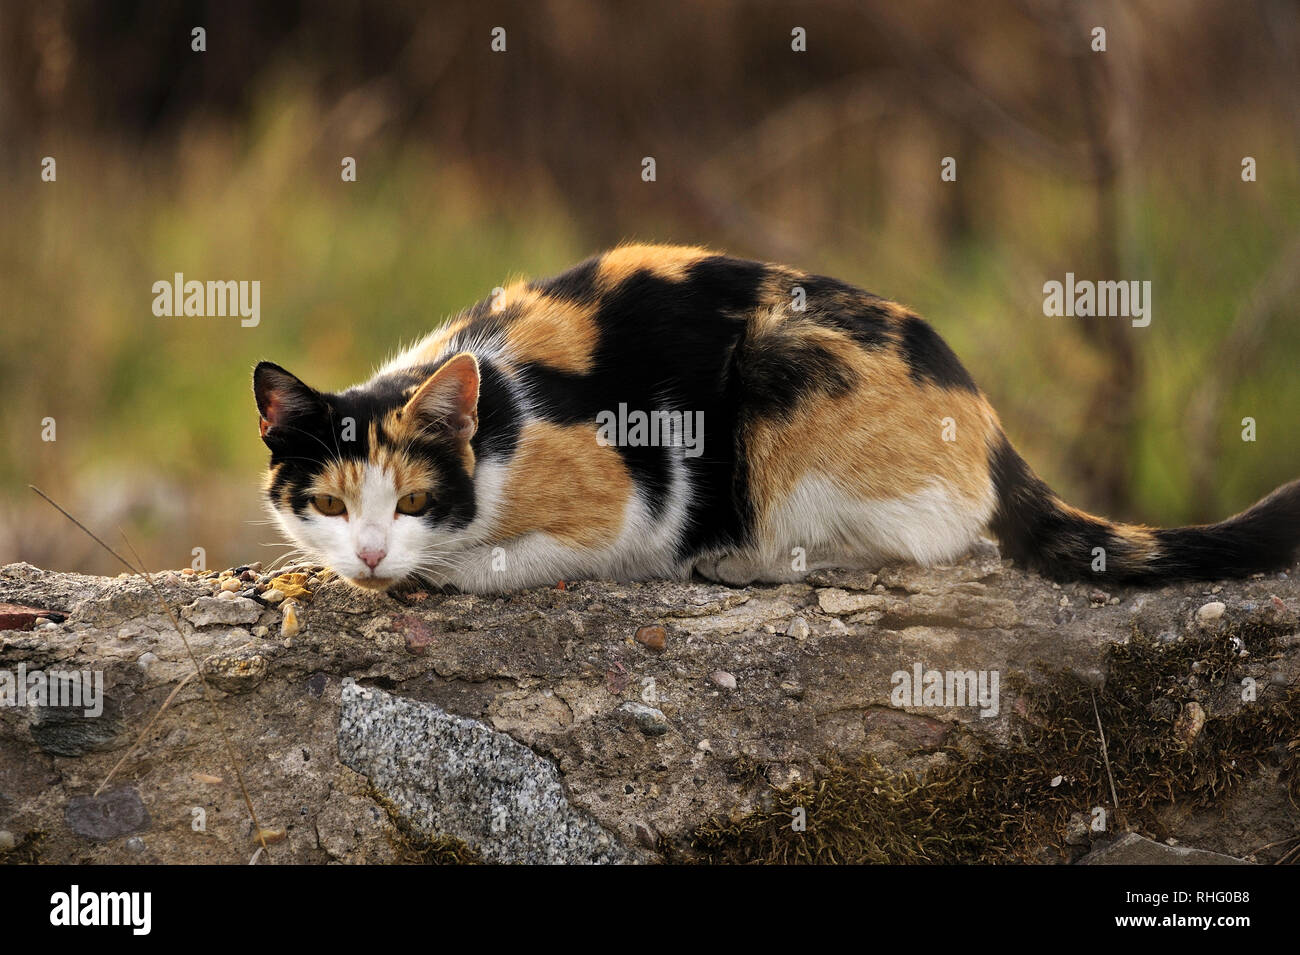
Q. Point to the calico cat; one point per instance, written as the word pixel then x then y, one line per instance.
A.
pixel 657 410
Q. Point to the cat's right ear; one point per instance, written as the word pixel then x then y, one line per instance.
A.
pixel 281 397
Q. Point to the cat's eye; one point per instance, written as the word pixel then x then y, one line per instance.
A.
pixel 414 503
pixel 329 505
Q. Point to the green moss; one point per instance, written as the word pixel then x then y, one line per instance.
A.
pixel 414 848
pixel 445 851
pixel 989 806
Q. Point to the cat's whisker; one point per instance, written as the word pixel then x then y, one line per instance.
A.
pixel 292 557
pixel 431 574
pixel 438 564
pixel 453 540
pixel 299 457
pixel 439 553
pixel 437 561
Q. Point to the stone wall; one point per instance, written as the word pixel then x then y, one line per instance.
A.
pixel 607 722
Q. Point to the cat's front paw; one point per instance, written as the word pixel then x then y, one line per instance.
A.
pixel 732 569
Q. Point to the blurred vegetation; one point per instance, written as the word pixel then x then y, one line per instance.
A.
pixel 475 166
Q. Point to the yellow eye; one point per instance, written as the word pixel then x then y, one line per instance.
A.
pixel 416 503
pixel 329 505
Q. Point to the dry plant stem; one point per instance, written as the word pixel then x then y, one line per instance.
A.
pixel 1105 757
pixel 198 670
pixel 1287 856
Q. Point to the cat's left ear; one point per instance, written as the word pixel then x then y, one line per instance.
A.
pixel 281 397
pixel 449 396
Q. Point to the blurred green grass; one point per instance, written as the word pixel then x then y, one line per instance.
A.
pixel 156 424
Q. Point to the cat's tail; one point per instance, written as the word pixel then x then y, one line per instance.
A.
pixel 1037 529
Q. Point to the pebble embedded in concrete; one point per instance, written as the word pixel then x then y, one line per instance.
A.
pixel 1210 612
pixel 649 720
pixel 290 625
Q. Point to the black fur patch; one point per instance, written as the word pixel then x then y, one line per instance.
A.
pixel 302 446
pixel 498 414
pixel 723 285
pixel 577 285
pixel 663 346
pixel 778 371
pixel 1263 538
pixel 454 503
pixel 1034 530
pixel 858 314
pixel 930 359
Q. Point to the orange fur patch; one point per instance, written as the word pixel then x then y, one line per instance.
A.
pixel 1137 536
pixel 668 262
pixel 883 439
pixel 563 483
pixel 556 333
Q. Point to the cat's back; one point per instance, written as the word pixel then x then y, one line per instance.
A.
pixel 633 305
pixel 672 307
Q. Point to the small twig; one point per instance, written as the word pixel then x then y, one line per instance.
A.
pixel 1274 845
pixel 198 670
pixel 1105 756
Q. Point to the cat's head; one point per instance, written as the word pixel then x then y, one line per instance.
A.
pixel 375 482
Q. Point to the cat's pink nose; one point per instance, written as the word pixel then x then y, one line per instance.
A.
pixel 371 558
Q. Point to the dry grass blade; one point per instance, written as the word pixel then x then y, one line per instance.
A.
pixel 1293 842
pixel 1105 756
pixel 198 670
